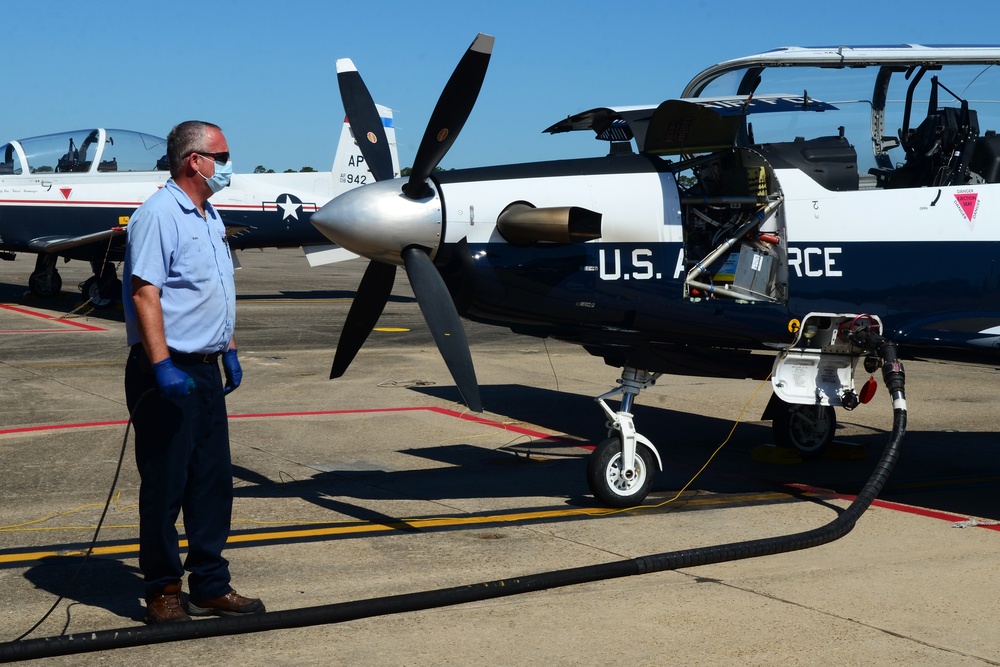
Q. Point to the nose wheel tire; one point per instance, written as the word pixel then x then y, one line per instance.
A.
pixel 609 485
pixel 808 429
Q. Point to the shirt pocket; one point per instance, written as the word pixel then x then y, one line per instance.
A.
pixel 194 261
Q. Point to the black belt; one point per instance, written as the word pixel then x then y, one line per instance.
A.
pixel 197 358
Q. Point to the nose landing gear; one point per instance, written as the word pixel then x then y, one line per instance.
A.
pixel 810 378
pixel 621 469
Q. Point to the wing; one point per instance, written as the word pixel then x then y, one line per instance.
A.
pixel 57 244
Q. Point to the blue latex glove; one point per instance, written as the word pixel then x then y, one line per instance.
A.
pixel 234 372
pixel 173 382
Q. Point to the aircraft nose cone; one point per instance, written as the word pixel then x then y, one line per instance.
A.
pixel 377 221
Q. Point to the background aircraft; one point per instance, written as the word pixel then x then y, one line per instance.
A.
pixel 70 195
pixel 784 202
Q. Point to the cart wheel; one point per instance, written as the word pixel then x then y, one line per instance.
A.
pixel 806 428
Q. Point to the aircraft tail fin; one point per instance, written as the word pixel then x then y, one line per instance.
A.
pixel 349 166
pixel 350 171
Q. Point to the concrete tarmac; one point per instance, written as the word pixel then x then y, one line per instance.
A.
pixel 379 483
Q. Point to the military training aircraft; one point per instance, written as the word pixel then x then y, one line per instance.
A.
pixel 783 200
pixel 70 195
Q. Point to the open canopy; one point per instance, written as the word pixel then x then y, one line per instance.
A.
pixel 874 97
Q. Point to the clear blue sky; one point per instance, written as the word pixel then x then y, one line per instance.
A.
pixel 265 70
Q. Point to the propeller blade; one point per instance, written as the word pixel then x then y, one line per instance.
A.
pixel 366 123
pixel 442 318
pixel 452 110
pixel 369 302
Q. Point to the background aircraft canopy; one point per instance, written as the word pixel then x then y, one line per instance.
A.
pixel 84 151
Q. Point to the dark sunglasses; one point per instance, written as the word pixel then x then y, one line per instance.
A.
pixel 216 157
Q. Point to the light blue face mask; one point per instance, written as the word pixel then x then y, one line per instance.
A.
pixel 221 178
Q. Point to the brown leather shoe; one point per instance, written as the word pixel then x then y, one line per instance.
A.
pixel 166 607
pixel 230 604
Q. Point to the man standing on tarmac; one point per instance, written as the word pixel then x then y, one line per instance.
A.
pixel 180 313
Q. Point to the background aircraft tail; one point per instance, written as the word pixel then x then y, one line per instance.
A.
pixel 349 166
pixel 350 171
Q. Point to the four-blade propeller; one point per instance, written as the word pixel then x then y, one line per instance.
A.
pixel 403 225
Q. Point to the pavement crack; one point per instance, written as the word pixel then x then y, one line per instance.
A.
pixel 593 547
pixel 886 631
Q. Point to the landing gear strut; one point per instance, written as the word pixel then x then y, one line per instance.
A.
pixel 621 469
pixel 45 281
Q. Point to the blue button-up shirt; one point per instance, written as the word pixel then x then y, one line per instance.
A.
pixel 171 246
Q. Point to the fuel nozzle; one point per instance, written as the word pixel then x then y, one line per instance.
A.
pixel 884 351
pixel 892 367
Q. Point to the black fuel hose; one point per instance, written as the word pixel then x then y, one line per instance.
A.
pixel 845 521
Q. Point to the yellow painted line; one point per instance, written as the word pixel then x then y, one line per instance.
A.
pixel 391 329
pixel 442 522
pixel 432 522
pixel 98 551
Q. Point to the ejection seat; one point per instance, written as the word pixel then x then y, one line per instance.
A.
pixel 937 151
pixel 985 160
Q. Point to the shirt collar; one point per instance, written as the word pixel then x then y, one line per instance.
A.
pixel 185 202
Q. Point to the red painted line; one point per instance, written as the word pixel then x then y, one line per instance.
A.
pixel 441 411
pixel 920 511
pixel 32 313
pixel 270 208
pixel 130 204
pixel 896 507
pixel 316 413
pixel 260 207
pixel 507 427
pixel 58 427
pixel 40 331
pixel 927 513
pixel 70 202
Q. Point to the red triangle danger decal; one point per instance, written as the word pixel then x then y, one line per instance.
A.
pixel 967 202
pixel 66 192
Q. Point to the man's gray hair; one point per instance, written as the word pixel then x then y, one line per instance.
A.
pixel 186 138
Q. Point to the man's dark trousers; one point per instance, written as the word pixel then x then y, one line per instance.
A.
pixel 182 454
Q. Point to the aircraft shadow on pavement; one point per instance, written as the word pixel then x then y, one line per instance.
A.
pixel 525 467
pixel 556 469
pixel 957 472
pixel 11 293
